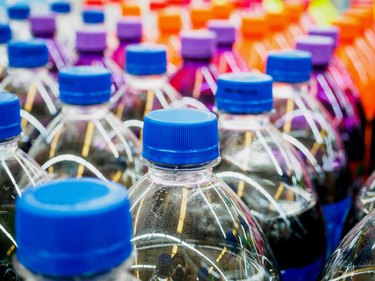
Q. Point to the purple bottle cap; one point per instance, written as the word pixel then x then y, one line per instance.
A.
pixel 129 28
pixel 43 24
pixel 225 31
pixel 327 31
pixel 199 44
pixel 320 47
pixel 91 40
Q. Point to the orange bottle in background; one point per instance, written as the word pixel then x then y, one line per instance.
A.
pixel 254 44
pixel 294 11
pixel 222 10
pixel 170 25
pixel 278 23
pixel 130 9
pixel 199 16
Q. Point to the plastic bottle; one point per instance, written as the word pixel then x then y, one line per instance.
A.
pixel 5 36
pixel 44 27
pixel 170 25
pixel 129 31
pixel 17 172
pixel 91 46
pixel 294 12
pixel 131 9
pixel 199 16
pixel 29 79
pixel 306 124
pixel 353 259
pixel 278 22
pixel 196 77
pixel 254 44
pixel 18 15
pixel 327 91
pixel 86 139
pixel 71 224
pixel 147 86
pixel 267 174
pixel 66 22
pixel 188 224
pixel 227 59
pixel 222 10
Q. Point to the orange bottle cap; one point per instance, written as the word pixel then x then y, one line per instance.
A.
pixel 169 21
pixel 222 10
pixel 294 10
pixel 199 16
pixel 130 9
pixel 363 15
pixel 254 26
pixel 277 20
pixel 350 28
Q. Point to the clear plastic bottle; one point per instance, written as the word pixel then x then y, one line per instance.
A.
pixel 65 231
pixel 354 260
pixel 129 31
pixel 188 224
pixel 91 46
pixel 306 124
pixel 18 15
pixel 86 139
pixel 147 86
pixel 5 36
pixel 267 174
pixel 29 79
pixel 324 88
pixel 196 77
pixel 44 27
pixel 227 58
pixel 17 172
pixel 66 22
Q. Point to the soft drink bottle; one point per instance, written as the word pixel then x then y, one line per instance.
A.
pixel 66 22
pixel 254 44
pixel 227 59
pixel 112 12
pixel 91 46
pixel 188 223
pixel 267 174
pixel 324 87
pixel 18 15
pixel 199 16
pixel 129 31
pixel 5 36
pixel 353 259
pixel 170 25
pixel 17 172
pixel 222 10
pixel 147 87
pixel 196 77
pixel 44 27
pixel 29 79
pixel 75 229
pixel 362 205
pixel 306 124
pixel 294 13
pixel 86 139
pixel 278 24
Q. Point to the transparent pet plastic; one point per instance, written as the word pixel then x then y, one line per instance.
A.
pixel 20 29
pixel 3 61
pixel 267 174
pixel 89 141
pixel 17 172
pixel 354 259
pixel 189 225
pixel 37 92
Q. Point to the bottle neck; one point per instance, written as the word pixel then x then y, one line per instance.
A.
pixel 288 90
pixel 225 47
pixel 147 82
pixel 320 67
pixel 197 61
pixel 181 175
pixel 242 122
pixel 44 36
pixel 8 146
pixel 90 54
pixel 126 42
pixel 85 112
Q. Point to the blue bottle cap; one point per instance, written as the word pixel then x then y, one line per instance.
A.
pixel 27 54
pixel 84 85
pixel 61 7
pixel 180 137
pixel 93 16
pixel 5 33
pixel 73 227
pixel 10 121
pixel 244 93
pixel 18 11
pixel 146 59
pixel 289 66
